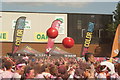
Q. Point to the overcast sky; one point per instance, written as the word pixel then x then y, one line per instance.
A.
pixel 61 6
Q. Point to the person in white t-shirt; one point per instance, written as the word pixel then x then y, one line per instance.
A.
pixel 19 72
pixel 101 72
pixel 7 74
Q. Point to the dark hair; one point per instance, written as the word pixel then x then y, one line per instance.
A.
pixel 43 67
pixel 27 70
pixel 20 61
pixel 100 68
pixel 37 69
pixel 8 65
pixel 87 55
pixel 53 70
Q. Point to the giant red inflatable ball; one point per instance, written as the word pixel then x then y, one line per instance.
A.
pixel 68 42
pixel 52 32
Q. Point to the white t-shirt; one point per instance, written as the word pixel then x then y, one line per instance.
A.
pixel 43 74
pixel 102 76
pixel 1 71
pixel 72 74
pixel 115 75
pixel 6 74
pixel 16 76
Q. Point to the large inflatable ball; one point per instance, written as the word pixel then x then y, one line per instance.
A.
pixel 68 42
pixel 52 32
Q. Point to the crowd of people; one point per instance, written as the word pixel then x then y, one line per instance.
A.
pixel 58 68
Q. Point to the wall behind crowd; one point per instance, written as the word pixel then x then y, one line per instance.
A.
pixel 74 25
pixel 78 25
pixel 36 25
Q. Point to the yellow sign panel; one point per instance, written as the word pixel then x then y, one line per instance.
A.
pixel 42 37
pixel 3 35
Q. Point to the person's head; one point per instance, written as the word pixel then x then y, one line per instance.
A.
pixel 43 68
pixel 79 72
pixel 29 72
pixel 37 69
pixel 53 70
pixel 89 57
pixel 101 68
pixel 20 67
pixel 97 51
pixel 8 65
pixel 62 69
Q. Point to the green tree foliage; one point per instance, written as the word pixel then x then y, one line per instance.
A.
pixel 116 20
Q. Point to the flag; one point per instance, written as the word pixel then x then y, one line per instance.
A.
pixel 88 38
pixel 18 33
pixel 50 44
pixel 116 43
pixel 27 49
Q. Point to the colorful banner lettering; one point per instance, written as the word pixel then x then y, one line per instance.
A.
pixel 3 36
pixel 41 37
pixel 88 38
pixel 18 33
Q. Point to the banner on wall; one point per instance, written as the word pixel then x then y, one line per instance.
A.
pixel 116 43
pixel 59 52
pixel 55 24
pixel 18 33
pixel 41 37
pixel 27 49
pixel 88 38
pixel 3 36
